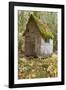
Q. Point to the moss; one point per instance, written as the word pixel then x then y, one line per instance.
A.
pixel 43 28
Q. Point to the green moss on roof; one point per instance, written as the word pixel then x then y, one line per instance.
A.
pixel 43 28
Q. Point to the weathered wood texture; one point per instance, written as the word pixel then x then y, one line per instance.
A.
pixel 35 44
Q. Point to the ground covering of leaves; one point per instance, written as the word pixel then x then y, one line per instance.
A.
pixel 37 67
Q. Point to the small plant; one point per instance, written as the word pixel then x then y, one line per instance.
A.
pixel 36 68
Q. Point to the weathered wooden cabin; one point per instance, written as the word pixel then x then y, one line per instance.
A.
pixel 38 38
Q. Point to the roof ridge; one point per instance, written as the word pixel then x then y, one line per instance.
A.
pixel 44 27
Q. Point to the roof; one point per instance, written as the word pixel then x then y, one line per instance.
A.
pixel 42 27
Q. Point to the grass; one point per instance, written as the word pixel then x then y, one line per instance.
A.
pixel 37 67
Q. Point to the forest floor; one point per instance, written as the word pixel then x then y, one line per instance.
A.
pixel 37 67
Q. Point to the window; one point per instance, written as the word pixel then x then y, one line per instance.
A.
pixel 47 40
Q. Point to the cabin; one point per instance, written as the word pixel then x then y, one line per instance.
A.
pixel 38 38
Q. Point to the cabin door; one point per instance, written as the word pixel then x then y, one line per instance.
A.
pixel 32 47
pixel 29 47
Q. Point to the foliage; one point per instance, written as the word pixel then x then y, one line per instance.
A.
pixel 37 68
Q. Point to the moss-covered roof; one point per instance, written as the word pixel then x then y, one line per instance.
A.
pixel 42 27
